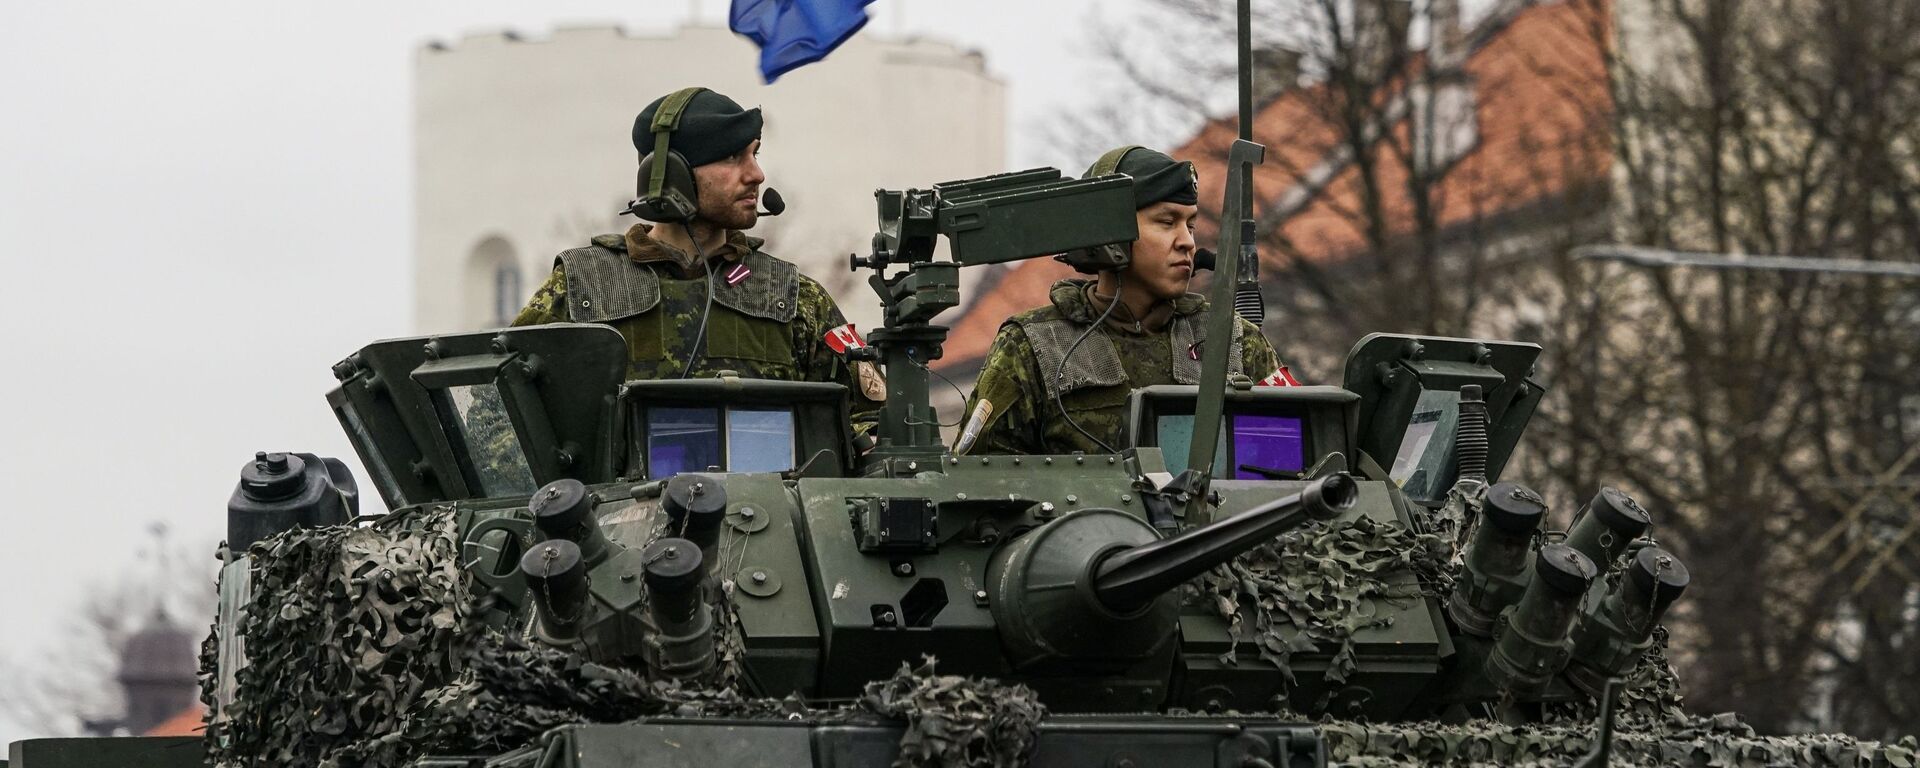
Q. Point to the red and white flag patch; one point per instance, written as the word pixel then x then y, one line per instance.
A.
pixel 1281 377
pixel 845 338
pixel 738 273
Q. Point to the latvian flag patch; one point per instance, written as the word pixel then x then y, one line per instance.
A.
pixel 845 338
pixel 1280 377
pixel 736 274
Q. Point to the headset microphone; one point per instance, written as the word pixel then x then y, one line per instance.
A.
pixel 770 198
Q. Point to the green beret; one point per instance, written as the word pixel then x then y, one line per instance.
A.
pixel 712 127
pixel 1158 178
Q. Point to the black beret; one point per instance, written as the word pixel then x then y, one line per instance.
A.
pixel 1158 178
pixel 712 127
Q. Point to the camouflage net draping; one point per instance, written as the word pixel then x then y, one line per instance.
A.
pixel 1700 741
pixel 347 631
pixel 1313 580
pixel 956 721
pixel 365 648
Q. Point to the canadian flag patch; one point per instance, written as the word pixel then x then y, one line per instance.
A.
pixel 1280 377
pixel 845 338
pixel 738 273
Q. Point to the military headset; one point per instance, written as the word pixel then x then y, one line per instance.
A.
pixel 666 186
pixel 1112 256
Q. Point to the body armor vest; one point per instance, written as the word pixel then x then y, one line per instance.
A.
pixel 603 285
pixel 1096 363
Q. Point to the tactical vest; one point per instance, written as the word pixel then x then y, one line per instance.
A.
pixel 605 286
pixel 1096 363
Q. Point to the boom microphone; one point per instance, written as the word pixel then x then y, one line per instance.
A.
pixel 1203 258
pixel 770 197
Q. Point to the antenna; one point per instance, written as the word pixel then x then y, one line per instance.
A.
pixel 1236 237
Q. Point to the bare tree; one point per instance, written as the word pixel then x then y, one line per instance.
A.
pixel 1771 403
pixel 74 680
pixel 1760 415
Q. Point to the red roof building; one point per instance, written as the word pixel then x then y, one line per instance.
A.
pixel 1530 88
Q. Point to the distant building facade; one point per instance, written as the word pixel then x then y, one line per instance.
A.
pixel 159 679
pixel 522 149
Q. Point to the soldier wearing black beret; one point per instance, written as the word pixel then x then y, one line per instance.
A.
pixel 1057 377
pixel 696 295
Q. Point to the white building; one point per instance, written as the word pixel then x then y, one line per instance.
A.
pixel 523 149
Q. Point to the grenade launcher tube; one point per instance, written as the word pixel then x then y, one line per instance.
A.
pixel 1128 579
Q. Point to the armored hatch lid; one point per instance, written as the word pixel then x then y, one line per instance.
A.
pixel 483 414
pixel 1409 388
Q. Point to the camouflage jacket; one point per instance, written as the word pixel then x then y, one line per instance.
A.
pixel 1012 409
pixel 768 320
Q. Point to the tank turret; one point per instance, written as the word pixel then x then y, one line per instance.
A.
pixel 1098 585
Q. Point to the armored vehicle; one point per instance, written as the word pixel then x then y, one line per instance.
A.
pixel 581 571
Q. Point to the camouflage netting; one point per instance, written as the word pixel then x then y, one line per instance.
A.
pixel 1313 579
pixel 1310 582
pixel 955 721
pixel 1707 741
pixel 347 631
pixel 365 648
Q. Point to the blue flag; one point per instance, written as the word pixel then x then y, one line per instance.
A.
pixel 792 33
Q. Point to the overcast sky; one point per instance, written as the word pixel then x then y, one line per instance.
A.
pixel 204 204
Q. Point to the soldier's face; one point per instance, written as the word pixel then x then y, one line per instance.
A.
pixel 1163 254
pixel 730 189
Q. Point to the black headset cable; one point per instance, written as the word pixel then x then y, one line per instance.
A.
pixel 699 257
pixel 1060 375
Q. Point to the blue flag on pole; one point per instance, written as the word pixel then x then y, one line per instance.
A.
pixel 793 33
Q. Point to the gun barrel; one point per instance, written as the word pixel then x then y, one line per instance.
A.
pixel 1129 579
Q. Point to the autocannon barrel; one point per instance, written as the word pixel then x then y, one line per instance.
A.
pixel 1129 579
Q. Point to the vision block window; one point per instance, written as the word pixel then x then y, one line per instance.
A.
pixel 1271 443
pixel 476 414
pixel 732 439
pixel 1175 433
pixel 682 440
pixel 1420 464
pixel 759 441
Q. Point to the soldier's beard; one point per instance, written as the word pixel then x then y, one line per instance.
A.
pixel 729 217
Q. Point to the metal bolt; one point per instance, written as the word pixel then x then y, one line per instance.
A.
pixel 746 513
pixel 1111 459
pixel 903 569
pixel 670 553
pixel 1072 499
pixel 960 496
pixel 1126 498
pixel 1016 460
pixel 1049 460
pixel 953 460
pixel 759 577
pixel 913 466
pixel 627 577
pixel 887 617
pixel 699 488
pixel 1079 459
pixel 980 594
pixel 1046 506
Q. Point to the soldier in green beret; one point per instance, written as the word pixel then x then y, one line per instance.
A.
pixel 1057 377
pixel 693 294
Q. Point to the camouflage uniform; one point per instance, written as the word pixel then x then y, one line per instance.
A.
pixel 769 324
pixel 1012 409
